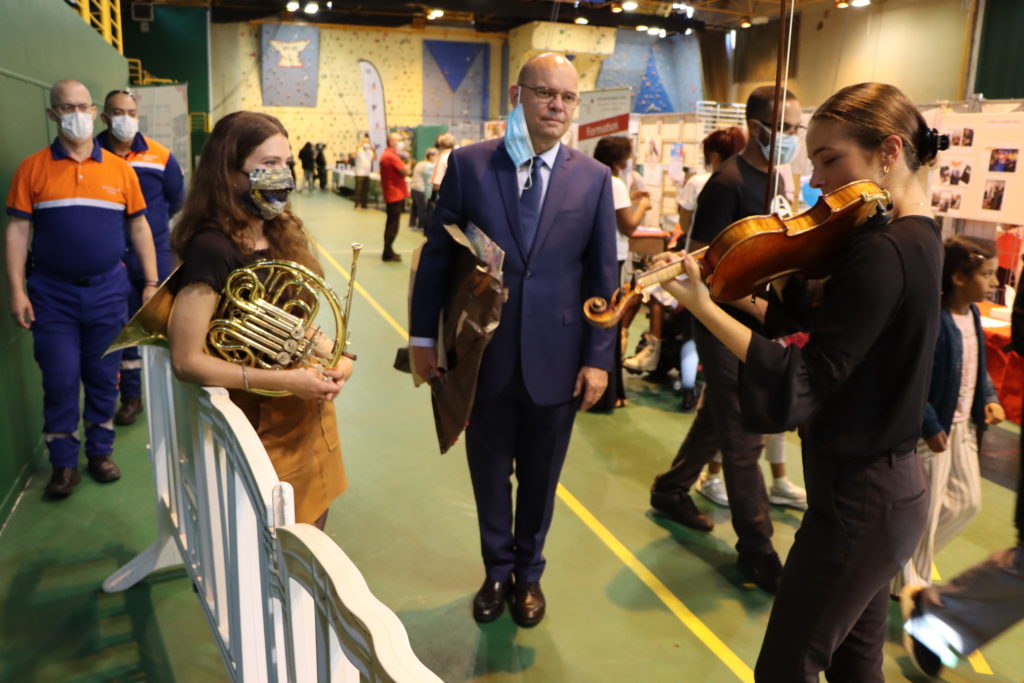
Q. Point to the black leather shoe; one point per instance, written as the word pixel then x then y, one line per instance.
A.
pixel 679 507
pixel 103 469
pixel 489 601
pixel 63 482
pixel 393 257
pixel 764 569
pixel 130 409
pixel 528 604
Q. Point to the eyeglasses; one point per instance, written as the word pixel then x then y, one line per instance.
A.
pixel 68 108
pixel 787 128
pixel 569 99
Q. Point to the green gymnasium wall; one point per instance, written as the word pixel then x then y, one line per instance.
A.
pixel 1001 51
pixel 41 41
pixel 176 45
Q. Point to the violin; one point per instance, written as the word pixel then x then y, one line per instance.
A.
pixel 753 251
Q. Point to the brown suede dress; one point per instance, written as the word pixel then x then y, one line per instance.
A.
pixel 301 437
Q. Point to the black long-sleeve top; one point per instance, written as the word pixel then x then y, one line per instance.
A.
pixel 858 388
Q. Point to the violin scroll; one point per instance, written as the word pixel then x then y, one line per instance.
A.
pixel 605 314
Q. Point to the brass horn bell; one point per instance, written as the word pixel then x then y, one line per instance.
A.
pixel 266 319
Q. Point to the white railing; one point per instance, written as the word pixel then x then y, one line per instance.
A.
pixel 283 601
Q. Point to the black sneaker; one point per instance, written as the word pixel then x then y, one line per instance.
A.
pixel 764 569
pixel 679 507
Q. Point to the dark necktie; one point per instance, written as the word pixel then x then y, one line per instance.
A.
pixel 529 206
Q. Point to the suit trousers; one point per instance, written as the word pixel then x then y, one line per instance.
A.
pixel 864 518
pixel 718 425
pixel 512 434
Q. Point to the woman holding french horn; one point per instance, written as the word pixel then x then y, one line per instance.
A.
pixel 236 215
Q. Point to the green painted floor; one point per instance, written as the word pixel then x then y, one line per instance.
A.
pixel 408 521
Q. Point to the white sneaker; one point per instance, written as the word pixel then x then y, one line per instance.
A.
pixel 713 488
pixel 786 493
pixel 647 359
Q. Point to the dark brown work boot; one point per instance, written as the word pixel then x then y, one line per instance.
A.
pixel 103 469
pixel 131 408
pixel 62 482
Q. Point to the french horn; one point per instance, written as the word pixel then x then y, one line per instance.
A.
pixel 266 319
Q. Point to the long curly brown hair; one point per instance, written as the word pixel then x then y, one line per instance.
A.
pixel 213 202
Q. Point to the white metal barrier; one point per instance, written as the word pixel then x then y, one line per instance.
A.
pixel 283 601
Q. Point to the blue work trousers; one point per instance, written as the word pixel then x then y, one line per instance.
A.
pixel 75 322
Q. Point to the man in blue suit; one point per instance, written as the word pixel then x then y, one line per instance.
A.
pixel 550 208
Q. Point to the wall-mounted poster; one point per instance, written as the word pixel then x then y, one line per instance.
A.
pixel 977 177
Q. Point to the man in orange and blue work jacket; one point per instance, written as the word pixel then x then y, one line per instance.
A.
pixel 163 186
pixel 70 202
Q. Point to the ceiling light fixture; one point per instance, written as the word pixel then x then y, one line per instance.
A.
pixel 745 22
pixel 292 6
pixel 312 7
pixel 330 4
pixel 653 31
pixel 641 27
pixel 842 4
pixel 688 31
pixel 630 5
pixel 860 3
pixel 616 8
pixel 435 14
pixel 582 21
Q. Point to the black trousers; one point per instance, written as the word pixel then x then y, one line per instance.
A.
pixel 418 215
pixel 362 190
pixel 718 426
pixel 321 174
pixel 511 434
pixel 864 520
pixel 393 211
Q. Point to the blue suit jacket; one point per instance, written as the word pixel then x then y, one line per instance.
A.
pixel 572 258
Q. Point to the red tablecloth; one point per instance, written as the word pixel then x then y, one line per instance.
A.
pixel 1006 368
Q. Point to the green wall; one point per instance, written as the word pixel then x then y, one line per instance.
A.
pixel 176 45
pixel 41 41
pixel 1001 51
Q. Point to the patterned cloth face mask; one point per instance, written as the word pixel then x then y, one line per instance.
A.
pixel 268 191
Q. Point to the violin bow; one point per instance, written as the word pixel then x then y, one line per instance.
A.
pixel 786 14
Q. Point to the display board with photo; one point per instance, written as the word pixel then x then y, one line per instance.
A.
pixel 977 178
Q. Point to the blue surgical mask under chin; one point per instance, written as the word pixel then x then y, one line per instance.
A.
pixel 517 137
pixel 787 145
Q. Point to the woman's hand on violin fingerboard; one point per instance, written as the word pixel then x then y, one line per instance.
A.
pixel 691 290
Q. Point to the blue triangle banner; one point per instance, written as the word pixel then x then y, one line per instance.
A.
pixel 652 98
pixel 453 58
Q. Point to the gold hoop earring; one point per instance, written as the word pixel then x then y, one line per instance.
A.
pixel 885 169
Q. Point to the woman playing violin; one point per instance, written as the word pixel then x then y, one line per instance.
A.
pixel 857 390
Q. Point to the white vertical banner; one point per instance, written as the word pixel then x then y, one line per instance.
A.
pixel 376 115
pixel 602 112
pixel 163 116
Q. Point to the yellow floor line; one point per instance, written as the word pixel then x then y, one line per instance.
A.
pixel 359 288
pixel 674 604
pixel 977 660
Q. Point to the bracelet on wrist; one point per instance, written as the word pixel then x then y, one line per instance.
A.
pixel 349 355
pixel 151 283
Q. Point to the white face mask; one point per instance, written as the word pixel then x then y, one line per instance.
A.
pixel 124 127
pixel 399 146
pixel 76 125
